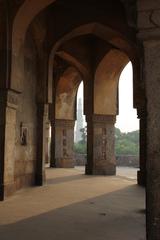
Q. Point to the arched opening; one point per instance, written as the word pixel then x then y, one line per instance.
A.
pixel 101 97
pixel 63 122
pixel 105 110
pixel 127 127
pixel 80 131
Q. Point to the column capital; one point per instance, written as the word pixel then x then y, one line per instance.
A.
pixel 66 123
pixel 9 98
pixel 98 118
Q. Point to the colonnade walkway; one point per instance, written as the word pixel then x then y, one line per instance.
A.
pixel 73 206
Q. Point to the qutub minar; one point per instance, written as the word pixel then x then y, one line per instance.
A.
pixel 79 125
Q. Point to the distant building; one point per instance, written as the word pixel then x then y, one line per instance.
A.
pixel 78 134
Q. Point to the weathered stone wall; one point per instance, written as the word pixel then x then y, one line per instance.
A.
pixel 64 137
pixel 25 155
pixel 11 98
pixel 103 145
pixel 149 36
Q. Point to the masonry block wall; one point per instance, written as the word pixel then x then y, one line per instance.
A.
pixel 25 152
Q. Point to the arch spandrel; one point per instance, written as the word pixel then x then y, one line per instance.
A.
pixel 23 19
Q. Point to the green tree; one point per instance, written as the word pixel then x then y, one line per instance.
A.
pixel 126 143
pixel 81 146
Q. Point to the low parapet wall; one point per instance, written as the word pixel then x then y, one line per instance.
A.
pixel 127 161
pixel 124 160
pixel 80 159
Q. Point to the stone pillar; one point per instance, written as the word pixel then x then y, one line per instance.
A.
pixel 149 36
pixel 52 143
pixel 47 142
pixel 152 83
pixel 141 174
pixel 8 106
pixel 52 146
pixel 64 142
pixel 100 145
pixel 41 144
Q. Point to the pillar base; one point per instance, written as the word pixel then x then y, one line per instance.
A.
pixel 88 170
pixel 109 170
pixel 53 165
pixel 39 179
pixel 141 178
pixel 7 190
pixel 1 192
pixel 65 163
pixel 64 141
pixel 101 156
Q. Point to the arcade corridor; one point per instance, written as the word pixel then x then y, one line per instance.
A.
pixel 47 47
pixel 75 206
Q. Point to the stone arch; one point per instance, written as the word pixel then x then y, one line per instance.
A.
pixel 73 62
pixel 20 26
pixel 106 82
pixel 65 116
pixel 66 91
pixel 104 32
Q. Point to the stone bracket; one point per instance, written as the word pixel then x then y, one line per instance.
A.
pixel 64 123
pixel 97 118
pixel 9 98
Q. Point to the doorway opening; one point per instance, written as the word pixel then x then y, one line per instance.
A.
pixel 80 131
pixel 127 127
pixel 47 142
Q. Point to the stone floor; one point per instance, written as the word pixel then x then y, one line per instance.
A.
pixel 73 206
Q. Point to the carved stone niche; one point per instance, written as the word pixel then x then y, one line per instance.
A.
pixel 9 98
pixel 23 134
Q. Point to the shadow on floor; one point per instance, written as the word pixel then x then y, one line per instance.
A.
pixel 66 179
pixel 113 216
pixel 81 176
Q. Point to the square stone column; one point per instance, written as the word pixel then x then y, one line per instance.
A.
pixel 141 174
pixel 42 119
pixel 8 106
pixel 64 142
pixel 100 145
pixel 148 25
pixel 47 142
pixel 152 80
pixel 52 146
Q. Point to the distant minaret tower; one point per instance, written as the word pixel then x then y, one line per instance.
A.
pixel 79 121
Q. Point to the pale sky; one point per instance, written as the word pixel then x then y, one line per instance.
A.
pixel 127 120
